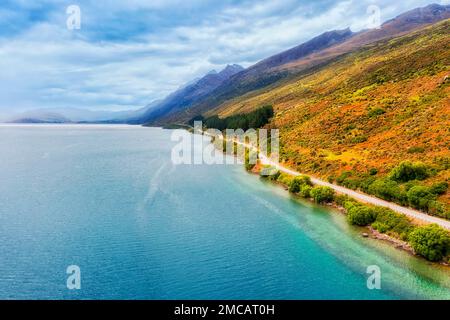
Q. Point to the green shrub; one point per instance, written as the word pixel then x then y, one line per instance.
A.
pixel 439 188
pixel 361 215
pixel 350 204
pixel 343 176
pixel 416 150
pixel 388 190
pixel 295 185
pixel 305 180
pixel 431 241
pixel 407 171
pixel 419 197
pixel 322 194
pixel 298 182
pixel 388 221
pixel 284 179
pixel 375 112
pixel 365 183
pixel 437 208
pixel 373 171
pixel 409 185
pixel 359 139
pixel 341 199
pixel 305 191
pixel 352 183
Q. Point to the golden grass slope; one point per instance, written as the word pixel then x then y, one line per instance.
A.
pixel 373 108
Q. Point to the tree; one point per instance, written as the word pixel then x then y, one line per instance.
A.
pixel 304 180
pixel 361 215
pixel 419 197
pixel 389 221
pixel 295 185
pixel 439 188
pixel 255 119
pixel 431 241
pixel 388 190
pixel 305 191
pixel 437 208
pixel 298 182
pixel 407 171
pixel 376 112
pixel 322 194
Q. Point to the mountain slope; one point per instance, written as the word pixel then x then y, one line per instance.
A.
pixel 304 58
pixel 258 76
pixel 402 24
pixel 188 95
pixel 367 111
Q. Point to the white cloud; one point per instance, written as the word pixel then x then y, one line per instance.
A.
pixel 47 65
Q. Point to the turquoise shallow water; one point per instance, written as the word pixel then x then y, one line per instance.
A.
pixel 108 199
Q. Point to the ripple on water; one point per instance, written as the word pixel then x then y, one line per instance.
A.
pixel 109 200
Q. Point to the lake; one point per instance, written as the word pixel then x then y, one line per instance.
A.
pixel 109 199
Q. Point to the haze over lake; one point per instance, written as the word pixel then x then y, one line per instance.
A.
pixel 108 199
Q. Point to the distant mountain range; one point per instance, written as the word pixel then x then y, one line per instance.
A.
pixel 188 95
pixel 215 89
pixel 299 60
pixel 73 115
pixel 182 98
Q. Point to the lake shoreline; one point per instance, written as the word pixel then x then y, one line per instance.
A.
pixel 370 232
pixel 116 199
pixel 373 233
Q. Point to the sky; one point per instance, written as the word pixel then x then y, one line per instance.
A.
pixel 128 53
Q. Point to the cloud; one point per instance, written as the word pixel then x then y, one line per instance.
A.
pixel 129 53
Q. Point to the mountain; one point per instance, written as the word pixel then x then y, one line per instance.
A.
pixel 238 80
pixel 402 24
pixel 357 117
pixel 318 43
pixel 40 117
pixel 188 95
pixel 304 58
pixel 72 115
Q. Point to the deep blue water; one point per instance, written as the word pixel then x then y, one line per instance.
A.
pixel 109 199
